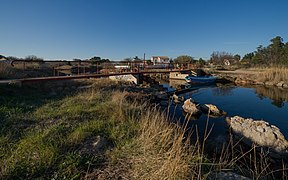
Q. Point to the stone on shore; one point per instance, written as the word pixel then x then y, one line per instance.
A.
pixel 280 84
pixel 268 83
pixel 177 99
pixel 259 132
pixel 190 107
pixel 212 110
pixel 243 80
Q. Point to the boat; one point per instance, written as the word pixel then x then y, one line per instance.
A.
pixel 200 79
pixel 181 75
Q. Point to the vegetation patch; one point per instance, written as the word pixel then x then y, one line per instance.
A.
pixel 98 133
pixel 272 74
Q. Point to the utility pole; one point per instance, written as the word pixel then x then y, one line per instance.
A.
pixel 144 61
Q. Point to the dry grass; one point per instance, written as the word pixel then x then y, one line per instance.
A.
pixel 275 74
pixel 163 150
pixel 146 145
pixel 164 153
pixel 5 70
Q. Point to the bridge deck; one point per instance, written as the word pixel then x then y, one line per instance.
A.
pixel 57 78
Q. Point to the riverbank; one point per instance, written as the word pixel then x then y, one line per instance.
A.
pixel 100 132
pixel 275 76
pixel 102 129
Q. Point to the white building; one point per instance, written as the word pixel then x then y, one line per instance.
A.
pixel 159 59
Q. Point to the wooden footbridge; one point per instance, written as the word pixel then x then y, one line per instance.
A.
pixel 138 75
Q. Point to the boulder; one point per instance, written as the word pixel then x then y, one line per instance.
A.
pixel 280 84
pixel 177 99
pixel 212 110
pixel 190 107
pixel 260 133
pixel 268 83
pixel 240 80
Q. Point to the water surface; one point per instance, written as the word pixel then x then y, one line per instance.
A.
pixel 261 103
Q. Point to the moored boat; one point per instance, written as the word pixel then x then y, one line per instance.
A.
pixel 200 79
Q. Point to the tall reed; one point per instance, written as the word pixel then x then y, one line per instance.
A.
pixel 273 74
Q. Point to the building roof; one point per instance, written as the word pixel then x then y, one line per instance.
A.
pixel 161 57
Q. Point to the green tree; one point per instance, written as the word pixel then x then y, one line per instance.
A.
pixel 237 57
pixel 276 53
pixel 149 62
pixel 285 54
pixel 248 57
pixel 33 58
pixel 201 62
pixel 12 58
pixel 95 58
pixel 184 59
pixel 262 56
pixel 276 50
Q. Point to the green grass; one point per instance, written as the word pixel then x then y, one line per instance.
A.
pixel 40 136
pixel 43 137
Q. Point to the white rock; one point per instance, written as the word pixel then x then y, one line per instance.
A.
pixel 259 132
pixel 190 107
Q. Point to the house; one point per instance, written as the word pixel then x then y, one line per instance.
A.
pixel 227 62
pixel 160 59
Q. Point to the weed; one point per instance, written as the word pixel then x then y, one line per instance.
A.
pixel 275 74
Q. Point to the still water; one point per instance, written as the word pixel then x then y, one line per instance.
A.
pixel 261 103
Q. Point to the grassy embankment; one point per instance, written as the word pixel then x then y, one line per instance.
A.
pixel 33 70
pixel 273 74
pixel 61 137
pixel 5 71
pixel 43 137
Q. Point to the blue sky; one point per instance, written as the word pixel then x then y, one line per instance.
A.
pixel 117 29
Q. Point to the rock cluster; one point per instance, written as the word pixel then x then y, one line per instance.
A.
pixel 193 108
pixel 190 107
pixel 247 81
pixel 212 110
pixel 259 132
pixel 177 99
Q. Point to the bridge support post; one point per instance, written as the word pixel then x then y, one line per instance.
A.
pixel 139 78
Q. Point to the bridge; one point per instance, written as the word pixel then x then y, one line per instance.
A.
pixel 138 75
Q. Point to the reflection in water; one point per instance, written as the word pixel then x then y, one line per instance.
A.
pixel 269 104
pixel 278 95
pixel 177 84
pixel 223 91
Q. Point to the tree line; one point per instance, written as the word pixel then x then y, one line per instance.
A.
pixel 276 53
pixel 27 58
